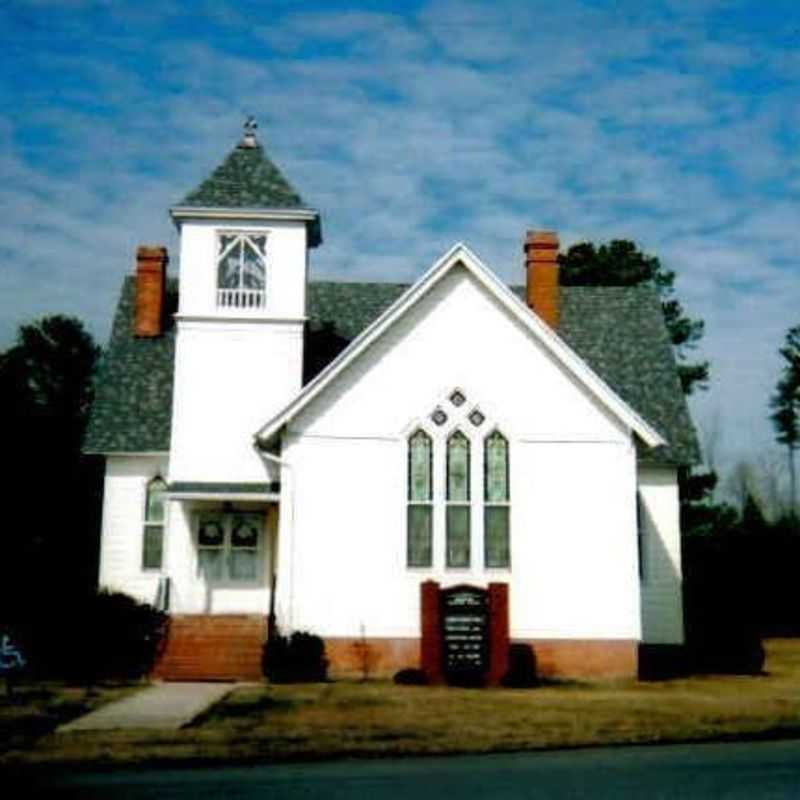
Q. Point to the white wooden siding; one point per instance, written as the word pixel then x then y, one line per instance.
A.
pixel 662 606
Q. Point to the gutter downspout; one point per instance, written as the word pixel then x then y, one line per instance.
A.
pixel 285 468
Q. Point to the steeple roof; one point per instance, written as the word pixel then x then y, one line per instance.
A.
pixel 245 179
pixel 248 180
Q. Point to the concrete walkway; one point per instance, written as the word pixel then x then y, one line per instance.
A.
pixel 166 706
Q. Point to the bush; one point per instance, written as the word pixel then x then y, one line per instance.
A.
pixel 299 658
pixel 119 638
pixel 411 676
pixel 721 607
pixel 521 667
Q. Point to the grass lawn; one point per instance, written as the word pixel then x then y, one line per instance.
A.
pixel 270 723
pixel 34 709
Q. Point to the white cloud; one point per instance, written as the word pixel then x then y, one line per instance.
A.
pixel 468 121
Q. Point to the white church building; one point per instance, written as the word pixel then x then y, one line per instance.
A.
pixel 332 457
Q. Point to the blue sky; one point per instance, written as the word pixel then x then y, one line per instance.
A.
pixel 414 125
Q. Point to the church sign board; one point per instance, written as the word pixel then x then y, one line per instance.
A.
pixel 465 634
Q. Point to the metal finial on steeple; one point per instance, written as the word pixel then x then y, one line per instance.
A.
pixel 249 140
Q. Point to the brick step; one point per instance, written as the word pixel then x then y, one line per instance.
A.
pixel 213 647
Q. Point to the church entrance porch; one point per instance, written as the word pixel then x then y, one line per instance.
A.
pixel 223 558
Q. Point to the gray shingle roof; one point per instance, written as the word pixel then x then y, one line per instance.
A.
pixel 245 179
pixel 132 408
pixel 618 331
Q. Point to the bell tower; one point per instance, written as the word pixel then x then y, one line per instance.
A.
pixel 245 235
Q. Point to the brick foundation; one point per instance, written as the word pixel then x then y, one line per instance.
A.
pixel 229 647
pixel 213 647
pixel 594 659
pixel 382 657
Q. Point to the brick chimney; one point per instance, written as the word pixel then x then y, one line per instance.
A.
pixel 542 282
pixel 151 284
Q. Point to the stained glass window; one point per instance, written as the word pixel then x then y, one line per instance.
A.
pixel 420 535
pixel 476 417
pixel 457 397
pixel 495 521
pixel 458 496
pixel 153 538
pixel 458 468
pixel 439 416
pixel 496 495
pixel 458 536
pixel 496 478
pixel 420 495
pixel 420 453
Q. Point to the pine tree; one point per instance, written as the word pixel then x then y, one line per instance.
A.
pixel 785 404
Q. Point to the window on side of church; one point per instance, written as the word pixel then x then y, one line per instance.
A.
pixel 497 506
pixel 641 534
pixel 241 270
pixel 153 538
pixel 458 500
pixel 420 500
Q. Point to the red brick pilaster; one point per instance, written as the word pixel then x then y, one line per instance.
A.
pixel 498 633
pixel 431 629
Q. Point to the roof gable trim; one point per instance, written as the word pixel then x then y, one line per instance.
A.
pixel 461 255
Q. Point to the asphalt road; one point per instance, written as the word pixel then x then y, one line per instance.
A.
pixel 719 771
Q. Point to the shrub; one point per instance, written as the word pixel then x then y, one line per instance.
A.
pixel 410 676
pixel 116 638
pixel 521 667
pixel 722 631
pixel 99 636
pixel 299 658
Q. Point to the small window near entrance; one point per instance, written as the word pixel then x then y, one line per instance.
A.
pixel 153 539
pixel 228 546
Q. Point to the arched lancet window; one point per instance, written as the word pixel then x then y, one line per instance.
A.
pixel 458 500
pixel 153 540
pixel 497 505
pixel 420 500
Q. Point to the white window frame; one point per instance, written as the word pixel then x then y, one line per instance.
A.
pixel 240 298
pixel 227 518
pixel 152 524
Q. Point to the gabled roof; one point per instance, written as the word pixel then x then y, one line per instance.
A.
pixel 460 256
pixel 618 331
